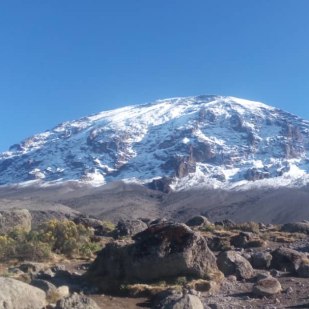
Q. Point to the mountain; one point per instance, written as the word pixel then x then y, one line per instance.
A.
pixel 171 144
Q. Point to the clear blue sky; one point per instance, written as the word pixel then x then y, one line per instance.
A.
pixel 64 59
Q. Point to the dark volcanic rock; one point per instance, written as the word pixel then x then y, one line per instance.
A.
pixel 286 259
pixel 161 251
pixel 162 184
pixel 181 166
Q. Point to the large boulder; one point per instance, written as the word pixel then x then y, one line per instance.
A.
pixel 15 219
pixel 296 227
pixel 232 263
pixel 15 294
pixel 165 250
pixel 286 259
pixel 77 301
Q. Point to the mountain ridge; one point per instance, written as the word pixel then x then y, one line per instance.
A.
pixel 170 144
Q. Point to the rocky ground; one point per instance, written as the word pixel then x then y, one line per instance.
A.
pixel 163 264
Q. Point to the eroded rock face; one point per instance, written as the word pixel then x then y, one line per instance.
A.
pixel 161 184
pixel 15 294
pixel 162 251
pixel 15 219
pixel 232 263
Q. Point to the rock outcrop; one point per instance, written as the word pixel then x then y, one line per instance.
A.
pixel 162 251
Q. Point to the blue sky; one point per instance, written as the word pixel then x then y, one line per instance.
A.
pixel 64 59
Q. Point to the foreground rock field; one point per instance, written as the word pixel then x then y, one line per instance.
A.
pixel 160 264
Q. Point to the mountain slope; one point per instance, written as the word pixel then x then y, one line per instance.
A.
pixel 212 141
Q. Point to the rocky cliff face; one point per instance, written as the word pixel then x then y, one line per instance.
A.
pixel 170 144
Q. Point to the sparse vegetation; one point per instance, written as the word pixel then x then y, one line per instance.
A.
pixel 61 237
pixel 250 226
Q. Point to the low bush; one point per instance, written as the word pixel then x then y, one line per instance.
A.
pixel 61 237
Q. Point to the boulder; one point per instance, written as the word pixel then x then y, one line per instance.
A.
pixel 286 259
pixel 232 263
pixel 130 227
pixel 19 295
pixel 198 221
pixel 15 219
pixel 77 301
pixel 186 301
pixel 165 250
pixel 296 227
pixel 267 287
pixel 261 260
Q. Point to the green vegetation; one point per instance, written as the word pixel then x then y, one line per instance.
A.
pixel 61 237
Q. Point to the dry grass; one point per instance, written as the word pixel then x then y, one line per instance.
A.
pixel 282 237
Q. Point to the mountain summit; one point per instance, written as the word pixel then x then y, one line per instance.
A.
pixel 176 143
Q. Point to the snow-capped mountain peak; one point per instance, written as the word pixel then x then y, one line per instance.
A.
pixel 172 143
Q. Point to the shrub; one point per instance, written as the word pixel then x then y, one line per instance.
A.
pixel 64 237
pixel 67 238
pixel 16 245
pixel 108 226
